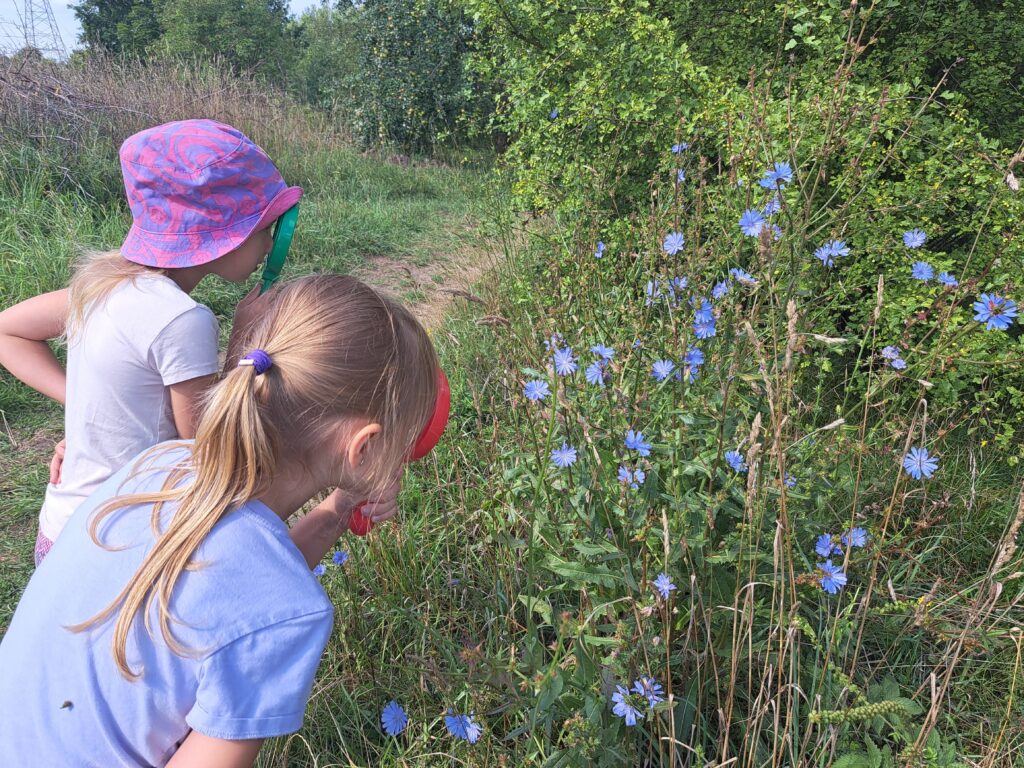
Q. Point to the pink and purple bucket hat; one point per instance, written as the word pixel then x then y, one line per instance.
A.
pixel 197 189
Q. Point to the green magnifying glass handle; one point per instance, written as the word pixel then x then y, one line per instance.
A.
pixel 283 231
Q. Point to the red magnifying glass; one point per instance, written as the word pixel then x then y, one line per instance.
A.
pixel 359 523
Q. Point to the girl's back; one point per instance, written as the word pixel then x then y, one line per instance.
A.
pixel 253 616
pixel 146 336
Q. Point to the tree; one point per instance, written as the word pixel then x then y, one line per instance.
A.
pixel 119 26
pixel 249 35
pixel 414 87
pixel 325 70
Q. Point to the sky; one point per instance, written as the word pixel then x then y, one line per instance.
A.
pixel 68 26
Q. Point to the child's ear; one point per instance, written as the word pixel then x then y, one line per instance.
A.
pixel 359 444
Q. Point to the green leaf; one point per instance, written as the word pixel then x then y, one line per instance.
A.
pixel 538 606
pixel 910 706
pixel 874 753
pixel 852 760
pixel 581 573
pixel 791 44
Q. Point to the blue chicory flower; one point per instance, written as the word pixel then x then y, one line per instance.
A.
pixel 664 586
pixel 624 708
pixel 680 147
pixel 735 459
pixel 653 291
pixel 995 311
pixel 922 270
pixel 890 352
pixel 536 390
pixel 914 238
pixel 694 357
pixel 393 718
pixel 680 175
pixel 751 222
pixel 600 250
pixel 674 243
pixel 340 557
pixel 564 456
pixel 650 689
pixel 742 276
pixel 776 176
pixel 320 569
pixel 662 369
pixel 720 289
pixel 705 313
pixel 595 373
pixel 857 537
pixel 919 464
pixel 773 206
pixel 830 250
pixel 605 353
pixel 565 363
pixel 462 727
pixel 898 363
pixel 704 329
pixel 634 478
pixel 948 280
pixel 832 577
pixel 790 481
pixel 825 546
pixel 554 114
pixel 635 442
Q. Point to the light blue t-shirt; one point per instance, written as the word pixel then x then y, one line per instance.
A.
pixel 254 617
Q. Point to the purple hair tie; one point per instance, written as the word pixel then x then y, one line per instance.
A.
pixel 259 360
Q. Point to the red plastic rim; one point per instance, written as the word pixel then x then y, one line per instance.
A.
pixel 438 421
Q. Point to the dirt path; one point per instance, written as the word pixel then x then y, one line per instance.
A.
pixel 429 290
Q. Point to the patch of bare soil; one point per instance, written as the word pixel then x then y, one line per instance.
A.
pixel 430 289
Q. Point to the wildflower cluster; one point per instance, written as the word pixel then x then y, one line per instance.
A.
pixel 831 575
pixel 339 558
pixel 394 720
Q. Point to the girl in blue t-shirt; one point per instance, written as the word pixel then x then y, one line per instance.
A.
pixel 196 626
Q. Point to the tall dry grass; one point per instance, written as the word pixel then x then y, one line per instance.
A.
pixel 61 124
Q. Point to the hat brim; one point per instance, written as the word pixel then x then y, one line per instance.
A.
pixel 177 251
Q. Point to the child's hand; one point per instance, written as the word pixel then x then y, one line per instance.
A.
pixel 385 506
pixel 57 462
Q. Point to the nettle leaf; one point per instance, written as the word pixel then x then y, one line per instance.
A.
pixel 581 573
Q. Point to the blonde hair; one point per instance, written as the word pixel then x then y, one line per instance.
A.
pixel 96 274
pixel 339 350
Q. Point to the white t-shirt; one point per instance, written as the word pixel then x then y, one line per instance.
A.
pixel 146 335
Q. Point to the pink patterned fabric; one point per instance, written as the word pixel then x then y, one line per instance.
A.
pixel 43 545
pixel 197 189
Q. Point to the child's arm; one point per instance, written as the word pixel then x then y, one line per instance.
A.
pixel 185 400
pixel 316 532
pixel 24 331
pixel 199 751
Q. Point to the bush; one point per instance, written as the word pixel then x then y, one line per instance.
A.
pixel 593 116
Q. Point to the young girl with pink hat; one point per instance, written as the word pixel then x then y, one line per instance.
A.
pixel 141 352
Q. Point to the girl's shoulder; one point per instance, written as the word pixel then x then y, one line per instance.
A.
pixel 149 307
pixel 157 292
